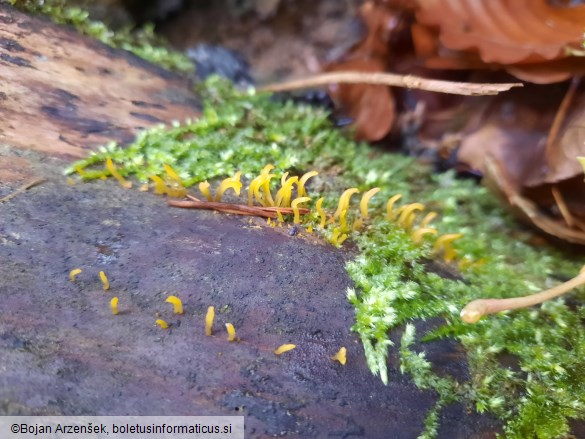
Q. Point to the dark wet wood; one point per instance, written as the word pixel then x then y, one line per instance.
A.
pixel 62 93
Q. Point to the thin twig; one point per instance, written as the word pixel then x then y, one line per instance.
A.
pixel 560 117
pixel 237 209
pixel 22 188
pixel 565 212
pixel 407 81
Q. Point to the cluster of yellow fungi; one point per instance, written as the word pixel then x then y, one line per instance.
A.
pixel 105 284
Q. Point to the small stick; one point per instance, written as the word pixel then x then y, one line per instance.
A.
pixel 407 81
pixel 237 209
pixel 22 188
pixel 476 309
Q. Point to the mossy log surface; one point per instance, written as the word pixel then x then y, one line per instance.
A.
pixel 62 351
pixel 62 93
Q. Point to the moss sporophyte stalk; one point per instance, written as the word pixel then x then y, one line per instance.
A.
pixel 416 221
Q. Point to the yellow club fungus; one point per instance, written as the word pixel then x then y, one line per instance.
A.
pixel 357 225
pixel 336 239
pixel 73 274
pixel 341 356
pixel 266 169
pixel 262 182
pixel 229 183
pixel 123 182
pixel 406 211
pixel 114 305
pixel 253 190
pixel 390 213
pixel 445 241
pixel 177 304
pixel 284 194
pixel 105 281
pixel 301 187
pixel 231 331
pixel 310 229
pixel 172 174
pixel 321 212
pixel 418 234
pixel 427 219
pixel 279 216
pixel 344 200
pixel 204 189
pixel 80 171
pixel 159 185
pixel 343 220
pixel 284 348
pixel 162 324
pixel 267 195
pixel 209 320
pixel 476 309
pixel 365 200
pixel 295 207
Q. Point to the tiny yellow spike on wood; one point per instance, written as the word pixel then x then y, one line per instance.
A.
pixel 204 188
pixel 284 348
pixel 114 305
pixel 341 356
pixel 105 281
pixel 159 185
pixel 295 208
pixel 73 274
pixel 231 331
pixel 301 186
pixel 390 213
pixel 365 200
pixel 229 183
pixel 110 167
pixel 321 212
pixel 344 201
pixel 172 174
pixel 209 320
pixel 177 304
pixel 162 324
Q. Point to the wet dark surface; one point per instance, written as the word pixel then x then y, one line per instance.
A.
pixel 63 352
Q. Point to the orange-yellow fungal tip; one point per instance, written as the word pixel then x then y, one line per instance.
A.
pixel 159 185
pixel 177 304
pixel 444 241
pixel 301 188
pixel 417 235
pixel 408 210
pixel 284 194
pixel 105 281
pixel 262 182
pixel 344 200
pixel 110 167
pixel 253 190
pixel 162 323
pixel 231 331
pixel 280 217
pixel 343 220
pixel 341 239
pixel 336 239
pixel 114 305
pixel 427 219
pixel 209 320
pixel 341 356
pixel 365 200
pixel 267 196
pixel 80 171
pixel 73 274
pixel 204 189
pixel 266 169
pixel 295 208
pixel 390 213
pixel 284 348
pixel 229 183
pixel 172 174
pixel 357 225
pixel 321 212
pixel 310 229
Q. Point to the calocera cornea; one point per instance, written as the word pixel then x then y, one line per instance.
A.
pixel 478 308
pixel 390 212
pixel 445 242
pixel 341 356
pixel 73 274
pixel 229 183
pixel 301 191
pixel 114 173
pixel 177 304
pixel 407 213
pixel 161 323
pixel 365 200
pixel 105 281
pixel 284 348
pixel 284 194
pixel 204 189
pixel 209 320
pixel 295 207
pixel 418 234
pixel 231 332
pixel 321 212
pixel 114 305
pixel 160 187
pixel 343 203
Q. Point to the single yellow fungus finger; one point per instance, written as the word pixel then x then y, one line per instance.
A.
pixel 295 207
pixel 365 200
pixel 409 221
pixel 390 213
pixel 310 229
pixel 267 197
pixel 229 183
pixel 159 185
pixel 209 320
pixel 284 348
pixel 344 200
pixel 476 309
pixel 341 239
pixel 110 167
pixel 343 220
pixel 266 169
pixel 283 179
pixel 114 305
pixel 162 324
pixel 427 219
pixel 301 187
pixel 73 274
pixel 231 331
pixel 105 281
pixel 279 216
pixel 407 211
pixel 357 225
pixel 172 174
pixel 341 356
pixel 445 241
pixel 284 194
pixel 321 212
pixel 417 235
pixel 204 189
pixel 253 190
pixel 80 171
pixel 177 304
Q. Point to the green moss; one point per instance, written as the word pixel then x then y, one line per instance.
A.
pixel 394 286
pixel 141 41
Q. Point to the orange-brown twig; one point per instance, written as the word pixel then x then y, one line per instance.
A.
pixel 22 188
pixel 237 209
